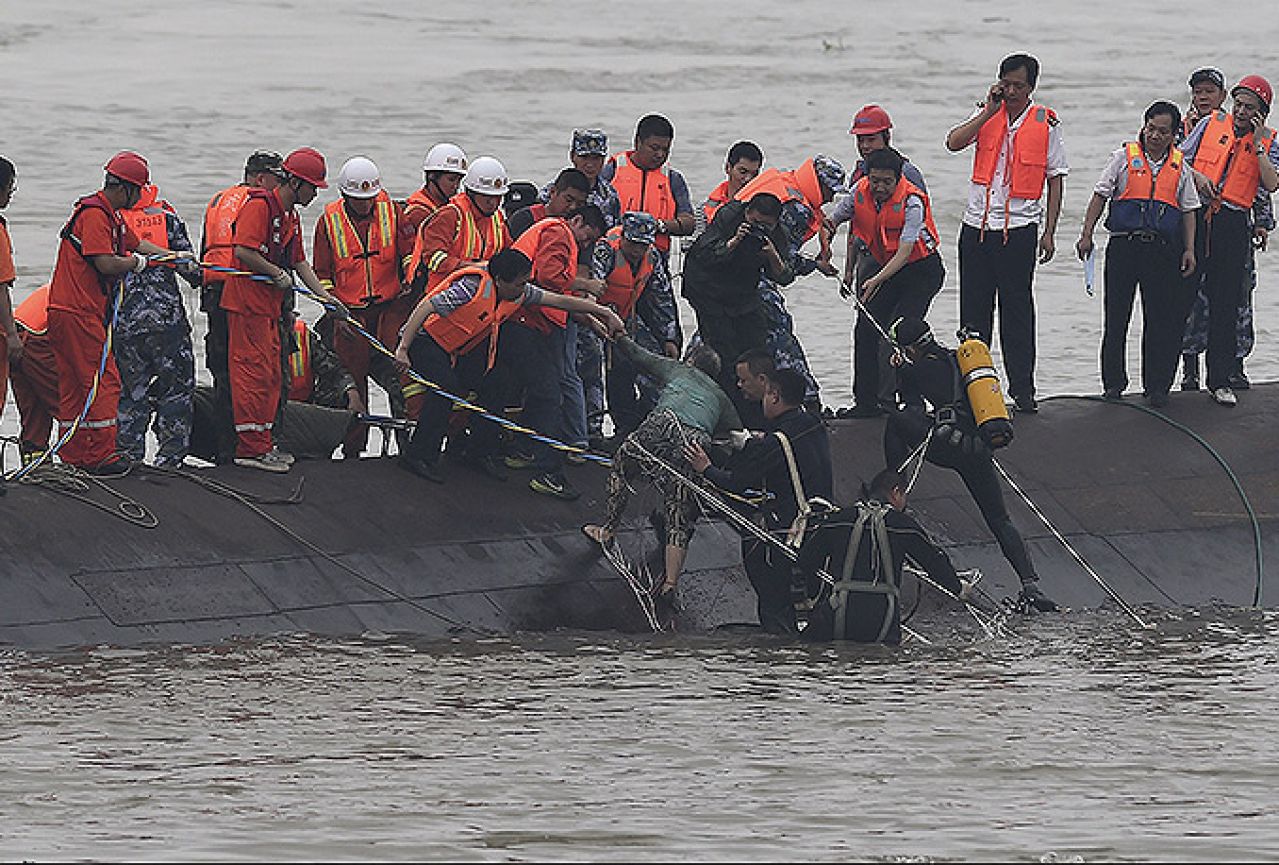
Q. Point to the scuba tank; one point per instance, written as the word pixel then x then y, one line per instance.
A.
pixel 981 384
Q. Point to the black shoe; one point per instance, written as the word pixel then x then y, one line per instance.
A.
pixel 1239 381
pixel 490 466
pixel 422 469
pixel 554 485
pixel 116 467
pixel 866 411
pixel 1158 400
pixel 1033 598
pixel 1026 404
pixel 1112 394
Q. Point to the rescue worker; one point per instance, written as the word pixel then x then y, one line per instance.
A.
pixel 539 345
pixel 1152 245
pixel 1234 159
pixel 645 183
pixel 1208 95
pixel 754 370
pixel 744 162
pixel 267 238
pixel 469 230
pixel 10 342
pixel 791 461
pixel 35 375
pixel 638 288
pixel 872 127
pixel 802 192
pixel 452 339
pixel 216 249
pixel 864 548
pixel 360 243
pixel 892 220
pixel 96 250
pixel 569 191
pixel 1019 150
pixel 586 152
pixel 937 407
pixel 735 255
pixel 691 409
pixel 152 342
pixel 442 172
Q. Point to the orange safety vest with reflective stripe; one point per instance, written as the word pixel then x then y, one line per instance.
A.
pixel 799 185
pixel 625 283
pixel 644 190
pixel 32 315
pixel 477 238
pixel 880 229
pixel 467 326
pixel 364 275
pixel 1027 168
pixel 219 225
pixel 1221 153
pixel 528 243
pixel 301 377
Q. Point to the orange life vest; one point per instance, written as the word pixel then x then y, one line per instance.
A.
pixel 1027 168
pixel 301 376
pixel 644 190
pixel 219 222
pixel 880 229
pixel 625 283
pixel 147 218
pixel 1221 153
pixel 719 197
pixel 364 275
pixel 528 243
pixel 478 238
pixel 32 315
pixel 467 326
pixel 800 185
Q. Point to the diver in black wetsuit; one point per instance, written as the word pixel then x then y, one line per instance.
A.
pixel 936 405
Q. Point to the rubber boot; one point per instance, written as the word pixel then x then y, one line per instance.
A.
pixel 1033 598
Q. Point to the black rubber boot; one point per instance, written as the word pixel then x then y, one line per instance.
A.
pixel 1033 598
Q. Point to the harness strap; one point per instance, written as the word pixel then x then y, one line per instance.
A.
pixel 795 534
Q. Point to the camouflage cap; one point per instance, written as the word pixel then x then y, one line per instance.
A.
pixel 1209 74
pixel 589 142
pixel 829 172
pixel 639 227
pixel 263 160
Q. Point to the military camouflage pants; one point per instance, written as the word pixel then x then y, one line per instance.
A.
pixel 157 375
pixel 662 435
pixel 1196 338
pixel 590 368
pixel 787 352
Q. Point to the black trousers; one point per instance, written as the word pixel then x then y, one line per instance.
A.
pixel 468 374
pixel 1225 263
pixel 998 271
pixel 532 362
pixel 730 336
pixel 1154 267
pixel 904 431
pixel 770 574
pixel 907 295
pixel 628 403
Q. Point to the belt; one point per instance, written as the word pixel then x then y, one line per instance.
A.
pixel 1142 236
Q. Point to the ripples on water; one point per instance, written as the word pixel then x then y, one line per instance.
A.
pixel 1077 738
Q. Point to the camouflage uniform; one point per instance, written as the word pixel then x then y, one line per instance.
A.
pixel 153 351
pixel 592 142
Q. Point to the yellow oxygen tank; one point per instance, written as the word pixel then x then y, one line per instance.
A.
pixel 981 383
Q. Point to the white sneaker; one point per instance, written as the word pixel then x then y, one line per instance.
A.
pixel 1224 396
pixel 267 462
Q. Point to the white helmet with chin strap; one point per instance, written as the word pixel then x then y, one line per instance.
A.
pixel 445 157
pixel 486 176
pixel 359 178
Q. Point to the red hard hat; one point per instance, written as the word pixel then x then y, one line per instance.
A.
pixel 1259 86
pixel 869 120
pixel 308 164
pixel 129 167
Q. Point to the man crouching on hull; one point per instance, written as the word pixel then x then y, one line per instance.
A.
pixel 863 548
pixel 931 376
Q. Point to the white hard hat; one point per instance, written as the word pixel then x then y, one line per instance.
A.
pixel 445 157
pixel 486 176
pixel 359 178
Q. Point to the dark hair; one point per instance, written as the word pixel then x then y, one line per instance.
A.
pixel 260 161
pixel 7 173
pixel 790 386
pixel 1013 62
pixel 745 150
pixel 758 360
pixel 592 216
pixel 882 485
pixel 653 125
pixel 1163 106
pixel 510 265
pixel 765 204
pixel 571 178
pixel 705 358
pixel 887 159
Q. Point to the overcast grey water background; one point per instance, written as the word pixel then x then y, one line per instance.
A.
pixel 1078 738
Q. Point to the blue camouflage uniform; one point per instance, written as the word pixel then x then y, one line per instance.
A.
pixel 153 351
